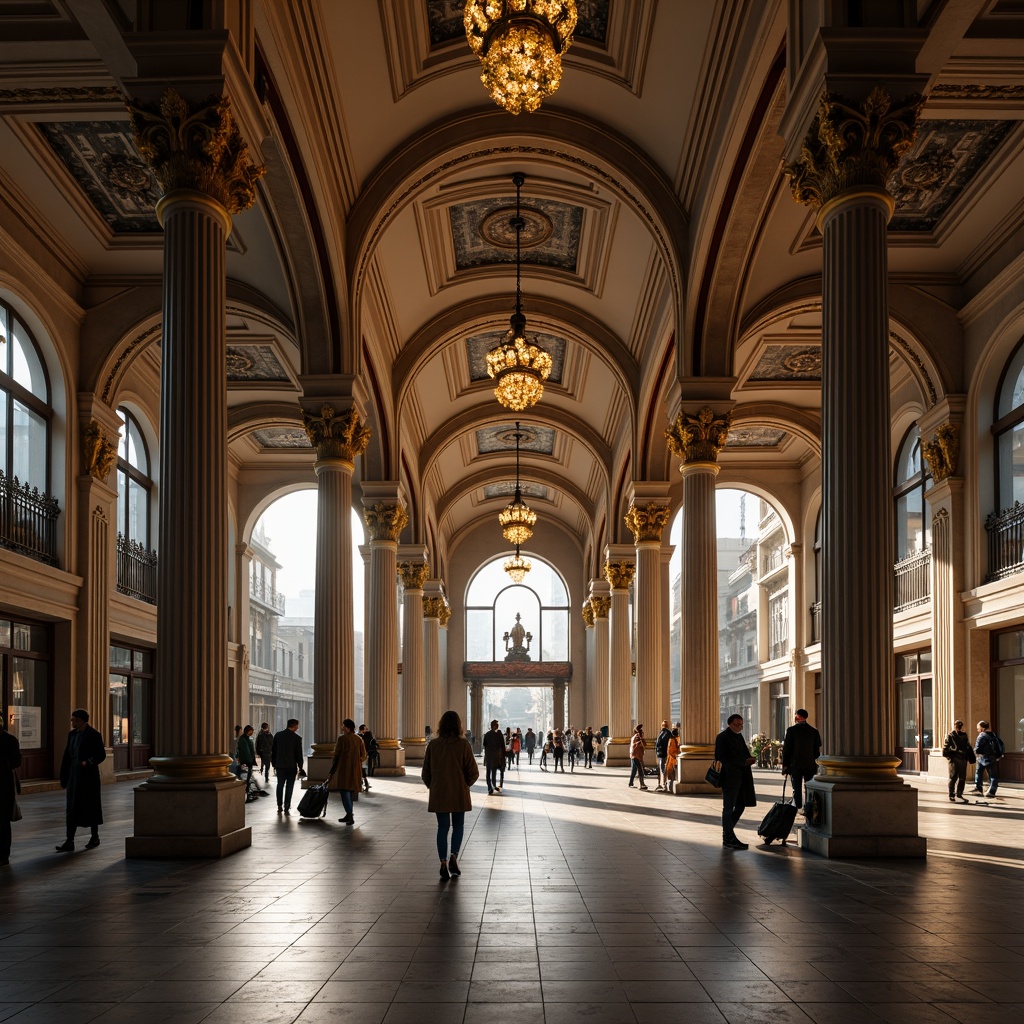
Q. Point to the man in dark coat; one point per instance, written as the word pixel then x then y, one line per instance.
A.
pixel 959 753
pixel 800 750
pixel 737 779
pixel 10 759
pixel 286 753
pixel 494 757
pixel 265 749
pixel 80 776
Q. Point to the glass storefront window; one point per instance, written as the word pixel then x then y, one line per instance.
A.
pixel 120 657
pixel 30 638
pixel 118 709
pixel 131 706
pixel 29 701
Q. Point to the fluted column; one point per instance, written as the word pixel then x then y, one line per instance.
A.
pixel 414 699
pixel 646 521
pixel 582 710
pixel 601 603
pixel 384 522
pixel 620 676
pixel 476 714
pixel 205 175
pixel 860 807
pixel 243 583
pixel 558 689
pixel 433 607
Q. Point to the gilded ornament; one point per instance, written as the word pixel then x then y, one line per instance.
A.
pixel 99 453
pixel 445 618
pixel 414 574
pixel 646 522
pixel 943 452
pixel 588 614
pixel 196 146
pixel 601 606
pixel 698 438
pixel 619 574
pixel 433 607
pixel 336 435
pixel 853 145
pixel 385 522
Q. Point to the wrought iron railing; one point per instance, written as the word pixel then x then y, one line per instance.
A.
pixel 136 570
pixel 816 622
pixel 913 580
pixel 1005 542
pixel 267 594
pixel 28 520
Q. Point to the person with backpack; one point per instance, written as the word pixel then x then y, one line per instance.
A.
pixel 661 756
pixel 959 753
pixel 988 749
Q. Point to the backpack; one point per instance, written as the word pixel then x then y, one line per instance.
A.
pixel 997 746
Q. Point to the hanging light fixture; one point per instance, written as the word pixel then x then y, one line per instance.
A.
pixel 518 366
pixel 517 518
pixel 517 567
pixel 520 44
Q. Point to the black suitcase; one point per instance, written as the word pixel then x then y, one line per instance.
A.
pixel 314 801
pixel 778 822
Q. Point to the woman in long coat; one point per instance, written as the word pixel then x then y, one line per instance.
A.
pixel 449 769
pixel 347 767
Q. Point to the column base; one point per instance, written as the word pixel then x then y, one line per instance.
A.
pixel 692 766
pixel 191 807
pixel 392 760
pixel 616 754
pixel 415 749
pixel 106 768
pixel 318 764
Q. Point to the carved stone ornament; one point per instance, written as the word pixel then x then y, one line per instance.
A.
pixel 336 435
pixel 414 574
pixel 698 438
pixel 433 607
pixel 943 452
pixel 99 453
pixel 853 145
pixel 601 606
pixel 646 522
pixel 196 146
pixel 446 614
pixel 588 614
pixel 385 522
pixel 619 574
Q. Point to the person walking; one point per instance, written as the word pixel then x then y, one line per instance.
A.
pixel 530 742
pixel 636 757
pixel 517 745
pixel 558 749
pixel 673 757
pixel 800 749
pixel 449 769
pixel 265 749
pixel 588 747
pixel 545 750
pixel 494 758
pixel 988 749
pixel 10 761
pixel 959 753
pixel 372 752
pixel 346 772
pixel 245 754
pixel 80 776
pixel 732 754
pixel 575 750
pixel 286 753
pixel 661 755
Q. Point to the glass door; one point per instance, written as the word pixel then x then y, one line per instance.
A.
pixel 915 711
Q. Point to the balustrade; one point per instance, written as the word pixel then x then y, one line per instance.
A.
pixel 913 580
pixel 136 570
pixel 28 520
pixel 1005 542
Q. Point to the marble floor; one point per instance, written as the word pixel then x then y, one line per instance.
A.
pixel 580 899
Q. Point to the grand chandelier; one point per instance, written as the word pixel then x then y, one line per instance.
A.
pixel 517 518
pixel 517 567
pixel 518 366
pixel 520 44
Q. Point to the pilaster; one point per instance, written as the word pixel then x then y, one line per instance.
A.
pixel 558 689
pixel 600 602
pixel 619 571
pixel 476 713
pixel 434 607
pixel 243 583
pixel 413 572
pixel 582 705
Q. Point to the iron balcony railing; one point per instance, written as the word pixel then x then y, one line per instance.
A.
pixel 913 580
pixel 136 570
pixel 268 595
pixel 1005 542
pixel 28 520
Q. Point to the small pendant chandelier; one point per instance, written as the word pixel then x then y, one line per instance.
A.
pixel 517 567
pixel 517 518
pixel 518 366
pixel 520 44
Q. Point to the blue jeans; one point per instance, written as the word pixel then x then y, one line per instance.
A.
pixel 456 821
pixel 492 777
pixel 285 785
pixel 993 777
pixel 638 769
pixel 346 801
pixel 731 811
pixel 799 780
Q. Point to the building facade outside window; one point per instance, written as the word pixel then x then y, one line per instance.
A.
pixel 131 707
pixel 1008 432
pixel 913 518
pixel 133 482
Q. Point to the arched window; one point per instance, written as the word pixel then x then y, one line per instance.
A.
pixel 492 603
pixel 133 481
pixel 913 530
pixel 1009 432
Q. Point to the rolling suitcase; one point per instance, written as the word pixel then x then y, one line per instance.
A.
pixel 314 801
pixel 778 822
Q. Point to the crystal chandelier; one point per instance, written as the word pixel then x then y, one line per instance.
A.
pixel 517 567
pixel 517 518
pixel 520 44
pixel 518 366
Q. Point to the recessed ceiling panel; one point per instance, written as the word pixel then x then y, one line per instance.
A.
pixel 281 437
pixel 507 488
pixel 755 437
pixel 445 18
pixel 253 363
pixel 479 345
pixel 788 362
pixel 540 440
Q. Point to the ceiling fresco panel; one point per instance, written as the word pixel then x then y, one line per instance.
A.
pixel 755 437
pixel 788 362
pixel 444 18
pixel 252 363
pixel 479 345
pixel 506 489
pixel 539 440
pixel 281 437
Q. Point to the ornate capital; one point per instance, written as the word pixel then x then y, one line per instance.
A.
pixel 588 614
pixel 601 605
pixel 619 574
pixel 698 438
pixel 646 522
pixel 942 453
pixel 414 574
pixel 385 522
pixel 853 145
pixel 433 607
pixel 99 453
pixel 445 617
pixel 196 146
pixel 336 435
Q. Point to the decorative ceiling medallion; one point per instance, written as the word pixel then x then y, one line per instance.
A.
pixel 445 20
pixel 941 164
pixel 497 228
pixel 754 437
pixel 507 488
pixel 249 363
pixel 479 345
pixel 539 440
pixel 788 362
pixel 282 437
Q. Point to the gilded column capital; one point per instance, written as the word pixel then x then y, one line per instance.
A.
pixel 588 614
pixel 433 607
pixel 445 616
pixel 385 522
pixel 619 574
pixel 336 435
pixel 647 521
pixel 196 146
pixel 853 145
pixel 698 438
pixel 601 605
pixel 942 453
pixel 414 574
pixel 99 453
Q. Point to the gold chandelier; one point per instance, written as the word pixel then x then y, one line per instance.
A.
pixel 520 44
pixel 517 567
pixel 517 518
pixel 518 366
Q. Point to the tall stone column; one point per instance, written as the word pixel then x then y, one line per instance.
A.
pixel 476 713
pixel 601 603
pixel 414 574
pixel 619 574
pixel 859 805
pixel 192 806
pixel 558 692
pixel 337 435
pixel 243 583
pixel 582 713
pixel 646 521
pixel 433 607
pixel 385 521
pixel 697 440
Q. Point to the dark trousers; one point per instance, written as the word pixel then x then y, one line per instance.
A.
pixel 529 754
pixel 492 777
pixel 588 757
pixel 70 828
pixel 559 755
pixel 285 786
pixel 731 811
pixel 957 776
pixel 799 779
pixel 265 768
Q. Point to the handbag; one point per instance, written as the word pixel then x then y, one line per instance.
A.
pixel 713 776
pixel 15 810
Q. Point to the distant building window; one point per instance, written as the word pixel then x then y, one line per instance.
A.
pixel 1008 431
pixel 133 481
pixel 913 532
